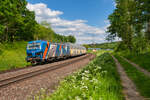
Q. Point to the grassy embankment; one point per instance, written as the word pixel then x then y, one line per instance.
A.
pixel 143 60
pixel 97 81
pixel 12 55
pixel 141 81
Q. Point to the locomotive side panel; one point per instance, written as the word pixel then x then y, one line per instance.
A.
pixel 62 51
pixel 45 53
pixel 57 51
pixel 71 50
pixel 52 50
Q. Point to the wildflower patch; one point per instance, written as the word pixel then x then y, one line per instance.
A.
pixel 99 80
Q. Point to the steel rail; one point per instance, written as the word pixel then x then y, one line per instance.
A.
pixel 18 78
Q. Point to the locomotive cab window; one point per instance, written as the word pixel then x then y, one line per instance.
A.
pixel 34 46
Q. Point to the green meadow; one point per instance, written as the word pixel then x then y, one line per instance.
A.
pixel 12 55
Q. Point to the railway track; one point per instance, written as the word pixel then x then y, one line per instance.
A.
pixel 8 81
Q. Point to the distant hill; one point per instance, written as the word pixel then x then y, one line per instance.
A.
pixel 111 45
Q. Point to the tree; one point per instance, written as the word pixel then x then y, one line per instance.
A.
pixel 44 33
pixel 16 20
pixel 18 23
pixel 71 39
pixel 122 22
pixel 145 6
pixel 128 21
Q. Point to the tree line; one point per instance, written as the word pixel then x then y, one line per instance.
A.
pixel 130 21
pixel 17 23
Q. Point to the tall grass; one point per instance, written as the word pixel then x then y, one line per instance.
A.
pixel 12 55
pixel 141 81
pixel 143 60
pixel 97 81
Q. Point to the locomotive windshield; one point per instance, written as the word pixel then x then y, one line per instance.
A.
pixel 33 46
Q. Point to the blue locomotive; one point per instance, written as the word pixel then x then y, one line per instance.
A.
pixel 44 51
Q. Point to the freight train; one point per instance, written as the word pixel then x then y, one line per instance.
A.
pixel 44 51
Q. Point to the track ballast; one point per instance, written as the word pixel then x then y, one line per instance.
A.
pixel 10 80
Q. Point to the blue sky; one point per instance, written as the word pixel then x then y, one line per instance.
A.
pixel 85 19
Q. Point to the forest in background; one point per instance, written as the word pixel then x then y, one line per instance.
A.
pixel 109 45
pixel 130 21
pixel 17 23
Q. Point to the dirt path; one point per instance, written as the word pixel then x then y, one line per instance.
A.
pixel 137 66
pixel 129 89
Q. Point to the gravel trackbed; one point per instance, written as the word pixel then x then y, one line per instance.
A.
pixel 23 90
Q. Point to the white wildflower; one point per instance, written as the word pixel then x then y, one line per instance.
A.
pixel 83 74
pixel 95 80
pixel 83 78
pixel 104 71
pixel 99 67
pixel 100 98
pixel 85 87
pixel 86 78
pixel 77 98
pixel 83 94
pixel 82 83
pixel 91 81
pixel 90 98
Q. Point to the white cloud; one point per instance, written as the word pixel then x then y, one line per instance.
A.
pixel 106 21
pixel 41 10
pixel 82 31
pixel 114 3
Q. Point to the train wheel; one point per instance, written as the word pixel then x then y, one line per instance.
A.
pixel 34 63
